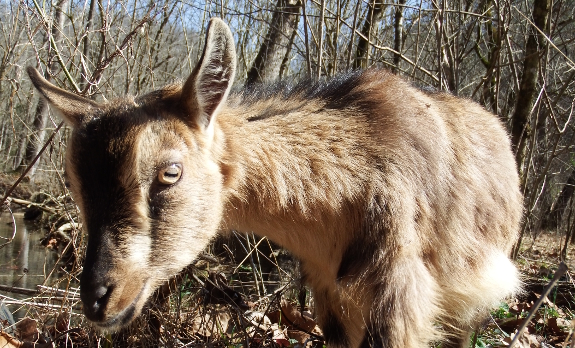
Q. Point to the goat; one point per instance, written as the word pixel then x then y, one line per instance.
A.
pixel 401 204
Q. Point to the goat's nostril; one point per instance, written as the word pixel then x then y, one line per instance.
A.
pixel 95 301
pixel 100 293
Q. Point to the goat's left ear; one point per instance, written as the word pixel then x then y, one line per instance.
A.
pixel 209 84
pixel 72 107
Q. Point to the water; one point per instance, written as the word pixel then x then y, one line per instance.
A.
pixel 24 262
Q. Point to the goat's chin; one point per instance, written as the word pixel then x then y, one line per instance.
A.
pixel 122 317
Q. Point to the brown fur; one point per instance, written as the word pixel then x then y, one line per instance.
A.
pixel 402 205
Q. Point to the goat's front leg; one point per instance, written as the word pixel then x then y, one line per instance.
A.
pixel 394 306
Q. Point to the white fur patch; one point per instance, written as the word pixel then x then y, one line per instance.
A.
pixel 499 277
pixel 139 250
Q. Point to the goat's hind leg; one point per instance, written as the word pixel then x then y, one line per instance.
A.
pixel 342 321
pixel 405 307
pixel 458 338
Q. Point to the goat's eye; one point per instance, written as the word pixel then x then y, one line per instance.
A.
pixel 170 174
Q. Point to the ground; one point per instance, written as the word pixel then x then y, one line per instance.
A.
pixel 221 303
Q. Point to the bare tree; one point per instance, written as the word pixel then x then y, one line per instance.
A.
pixel 534 49
pixel 277 43
pixel 41 116
pixel 372 18
pixel 553 214
pixel 398 38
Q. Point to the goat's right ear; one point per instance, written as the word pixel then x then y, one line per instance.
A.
pixel 209 84
pixel 72 107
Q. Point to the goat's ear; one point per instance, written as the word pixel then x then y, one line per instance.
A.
pixel 72 107
pixel 209 84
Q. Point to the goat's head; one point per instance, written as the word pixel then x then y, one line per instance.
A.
pixel 144 173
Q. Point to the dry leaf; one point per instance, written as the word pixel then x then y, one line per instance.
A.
pixel 210 324
pixel 27 329
pixel 258 319
pixel 295 318
pixel 279 336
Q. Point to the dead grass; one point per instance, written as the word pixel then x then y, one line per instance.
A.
pixel 238 296
pixel 552 325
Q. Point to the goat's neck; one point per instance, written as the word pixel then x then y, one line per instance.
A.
pixel 291 179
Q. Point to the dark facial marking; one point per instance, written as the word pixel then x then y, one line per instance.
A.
pixel 99 161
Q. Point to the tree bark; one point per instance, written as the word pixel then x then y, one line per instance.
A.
pixel 286 59
pixel 554 213
pixel 489 61
pixel 374 15
pixel 277 42
pixel 398 38
pixel 536 43
pixel 36 139
pixel 86 44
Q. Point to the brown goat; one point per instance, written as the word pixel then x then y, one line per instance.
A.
pixel 402 205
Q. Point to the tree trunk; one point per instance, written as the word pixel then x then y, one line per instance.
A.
pixel 286 59
pixel 86 45
pixel 536 44
pixel 36 140
pixel 277 42
pixel 374 15
pixel 553 214
pixel 398 39
pixel 490 60
pixel 446 64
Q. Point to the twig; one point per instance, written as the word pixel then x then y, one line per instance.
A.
pixel 17 290
pixel 41 305
pixel 248 255
pixel 108 60
pixel 7 194
pixel 37 205
pixel 558 274
pixel 9 240
pixel 55 48
pixel 70 292
pixel 39 291
pixel 569 61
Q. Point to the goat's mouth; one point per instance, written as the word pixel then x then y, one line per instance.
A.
pixel 126 315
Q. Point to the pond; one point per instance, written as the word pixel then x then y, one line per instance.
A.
pixel 24 262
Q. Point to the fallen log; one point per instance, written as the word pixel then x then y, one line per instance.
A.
pixel 28 203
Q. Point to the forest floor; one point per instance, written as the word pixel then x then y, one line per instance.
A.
pixel 221 302
pixel 552 325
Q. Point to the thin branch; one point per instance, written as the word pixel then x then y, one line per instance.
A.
pixel 55 48
pixel 93 80
pixel 558 274
pixel 11 189
pixel 570 62
pixel 320 48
